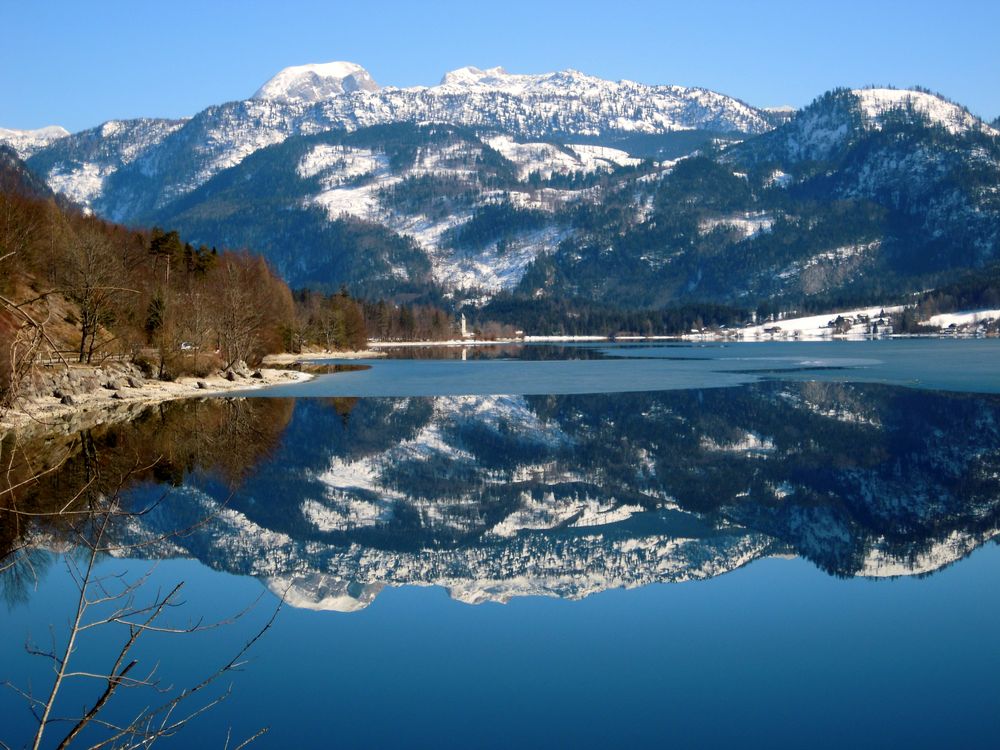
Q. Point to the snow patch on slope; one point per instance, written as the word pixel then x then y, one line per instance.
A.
pixel 341 164
pixel 549 512
pixel 876 103
pixel 81 184
pixel 493 269
pixel 840 260
pixel 548 159
pixel 750 443
pixel 747 224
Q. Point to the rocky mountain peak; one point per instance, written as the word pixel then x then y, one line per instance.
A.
pixel 308 84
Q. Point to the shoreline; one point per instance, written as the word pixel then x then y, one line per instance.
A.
pixel 319 356
pixel 47 414
pixel 730 336
pixel 377 346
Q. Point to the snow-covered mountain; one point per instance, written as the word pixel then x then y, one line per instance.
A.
pixel 313 98
pixel 78 165
pixel 309 84
pixel 567 102
pixel 837 119
pixel 859 189
pixel 462 211
pixel 539 184
pixel 27 142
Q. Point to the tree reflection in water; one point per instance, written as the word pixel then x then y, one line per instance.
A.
pixel 68 494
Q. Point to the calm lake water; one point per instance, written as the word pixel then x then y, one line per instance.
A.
pixel 763 545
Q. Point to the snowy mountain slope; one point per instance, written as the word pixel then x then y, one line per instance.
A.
pixel 456 200
pixel 78 164
pixel 27 142
pixel 836 120
pixel 313 98
pixel 877 103
pixel 899 199
pixel 599 105
pixel 547 159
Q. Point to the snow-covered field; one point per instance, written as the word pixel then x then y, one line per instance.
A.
pixel 957 319
pixel 548 159
pixel 857 325
pixel 747 224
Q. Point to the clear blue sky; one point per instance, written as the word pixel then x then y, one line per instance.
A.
pixel 78 64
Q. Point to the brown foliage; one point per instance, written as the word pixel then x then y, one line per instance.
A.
pixel 333 322
pixel 129 294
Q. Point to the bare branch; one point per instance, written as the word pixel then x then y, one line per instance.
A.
pixel 260 733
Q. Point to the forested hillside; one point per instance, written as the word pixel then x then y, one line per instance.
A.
pixel 76 288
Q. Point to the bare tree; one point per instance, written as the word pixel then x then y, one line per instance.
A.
pixel 239 312
pixel 25 340
pixel 91 278
pixel 115 602
pixel 251 304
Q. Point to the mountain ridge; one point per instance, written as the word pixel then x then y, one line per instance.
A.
pixel 862 196
pixel 27 142
pixel 307 101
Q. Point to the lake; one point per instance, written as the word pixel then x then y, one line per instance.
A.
pixel 764 545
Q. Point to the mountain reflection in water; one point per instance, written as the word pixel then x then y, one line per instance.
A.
pixel 494 497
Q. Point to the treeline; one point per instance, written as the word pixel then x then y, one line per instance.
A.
pixel 342 322
pixel 331 321
pixel 77 288
pixel 386 321
pixel 561 317
pixel 978 290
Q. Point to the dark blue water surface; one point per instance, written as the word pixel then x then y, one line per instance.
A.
pixel 780 545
